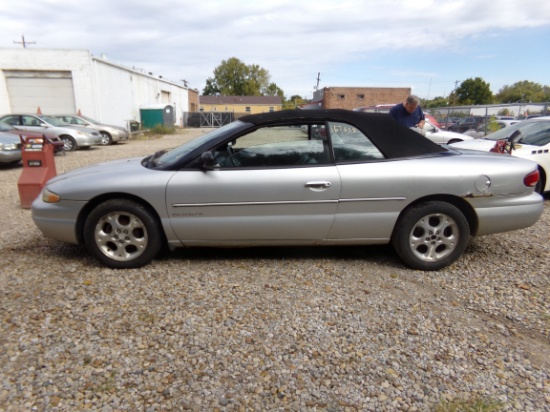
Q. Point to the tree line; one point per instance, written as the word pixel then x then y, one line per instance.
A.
pixel 477 91
pixel 235 78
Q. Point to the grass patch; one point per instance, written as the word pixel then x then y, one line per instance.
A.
pixel 160 130
pixel 470 405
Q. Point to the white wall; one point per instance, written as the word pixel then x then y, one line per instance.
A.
pixel 103 90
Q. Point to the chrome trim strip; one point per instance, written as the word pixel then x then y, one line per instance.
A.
pixel 375 199
pixel 290 202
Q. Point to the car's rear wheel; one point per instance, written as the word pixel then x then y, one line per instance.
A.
pixel 106 139
pixel 431 235
pixel 122 234
pixel 69 144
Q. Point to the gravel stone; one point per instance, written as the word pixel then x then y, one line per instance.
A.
pixel 282 329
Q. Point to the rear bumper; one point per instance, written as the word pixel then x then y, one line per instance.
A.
pixel 514 214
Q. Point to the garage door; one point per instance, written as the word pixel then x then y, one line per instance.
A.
pixel 51 91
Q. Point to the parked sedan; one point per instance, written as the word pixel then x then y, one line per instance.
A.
pixel 10 148
pixel 55 141
pixel 261 181
pixel 109 134
pixel 72 136
pixel 466 123
pixel 528 139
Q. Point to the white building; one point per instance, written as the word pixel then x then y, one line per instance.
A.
pixel 58 81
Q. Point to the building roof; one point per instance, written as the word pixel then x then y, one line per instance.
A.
pixel 244 100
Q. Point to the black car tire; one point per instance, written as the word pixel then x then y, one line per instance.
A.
pixel 69 144
pixel 106 139
pixel 122 234
pixel 431 235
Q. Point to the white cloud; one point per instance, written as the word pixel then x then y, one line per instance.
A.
pixel 294 40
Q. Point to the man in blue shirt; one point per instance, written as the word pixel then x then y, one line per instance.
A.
pixel 409 113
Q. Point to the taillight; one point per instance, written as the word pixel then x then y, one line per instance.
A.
pixel 531 179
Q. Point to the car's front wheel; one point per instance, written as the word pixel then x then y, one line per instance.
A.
pixel 69 144
pixel 122 234
pixel 106 139
pixel 431 235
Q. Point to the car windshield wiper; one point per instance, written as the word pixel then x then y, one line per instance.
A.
pixel 152 160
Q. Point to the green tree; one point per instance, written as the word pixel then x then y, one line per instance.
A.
pixel 211 88
pixel 274 90
pixel 435 102
pixel 474 91
pixel 234 78
pixel 524 91
pixel 293 102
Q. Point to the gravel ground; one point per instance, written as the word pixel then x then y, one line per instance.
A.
pixel 289 329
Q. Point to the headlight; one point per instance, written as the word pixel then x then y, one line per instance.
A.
pixel 8 146
pixel 49 196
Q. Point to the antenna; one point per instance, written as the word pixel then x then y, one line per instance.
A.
pixel 318 80
pixel 24 42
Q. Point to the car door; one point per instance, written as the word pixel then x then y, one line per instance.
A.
pixel 374 189
pixel 32 123
pixel 274 184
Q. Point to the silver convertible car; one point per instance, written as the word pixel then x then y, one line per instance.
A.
pixel 353 179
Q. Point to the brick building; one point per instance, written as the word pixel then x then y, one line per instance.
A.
pixel 353 97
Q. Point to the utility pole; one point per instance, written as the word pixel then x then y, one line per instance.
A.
pixel 454 92
pixel 318 80
pixel 23 42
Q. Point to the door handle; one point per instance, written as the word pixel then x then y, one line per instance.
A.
pixel 318 185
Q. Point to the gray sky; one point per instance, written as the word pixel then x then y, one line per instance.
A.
pixel 424 44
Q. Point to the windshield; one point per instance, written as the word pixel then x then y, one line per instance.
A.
pixel 54 121
pixel 89 120
pixel 533 133
pixel 4 127
pixel 174 155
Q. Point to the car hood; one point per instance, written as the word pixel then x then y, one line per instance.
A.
pixel 112 126
pixel 483 145
pixel 8 137
pixel 117 176
pixel 112 168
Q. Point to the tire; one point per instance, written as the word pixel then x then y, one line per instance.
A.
pixel 69 144
pixel 431 235
pixel 106 139
pixel 122 234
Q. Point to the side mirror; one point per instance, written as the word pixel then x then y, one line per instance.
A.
pixel 207 159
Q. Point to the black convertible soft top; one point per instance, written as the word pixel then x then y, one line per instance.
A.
pixel 391 138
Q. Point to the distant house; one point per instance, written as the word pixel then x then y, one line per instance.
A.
pixel 354 97
pixel 240 104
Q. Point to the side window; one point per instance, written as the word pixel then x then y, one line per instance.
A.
pixel 13 120
pixel 278 146
pixel 30 121
pixel 351 145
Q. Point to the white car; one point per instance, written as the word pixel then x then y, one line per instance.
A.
pixel 529 139
pixel 436 135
